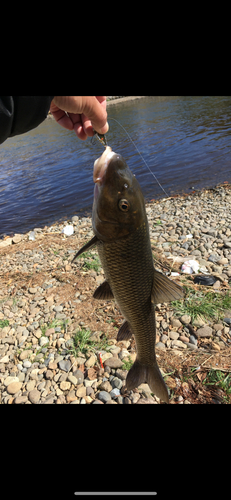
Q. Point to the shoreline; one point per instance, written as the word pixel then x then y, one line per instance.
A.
pixel 119 100
pixel 87 213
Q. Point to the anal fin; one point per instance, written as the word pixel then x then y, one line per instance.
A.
pixel 164 289
pixel 103 292
pixel 124 332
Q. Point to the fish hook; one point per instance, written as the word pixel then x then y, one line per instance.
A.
pixel 101 138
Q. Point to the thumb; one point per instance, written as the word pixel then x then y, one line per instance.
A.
pixel 96 113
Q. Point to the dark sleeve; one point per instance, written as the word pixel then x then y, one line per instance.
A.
pixel 19 114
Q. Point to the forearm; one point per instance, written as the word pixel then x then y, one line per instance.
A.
pixel 19 114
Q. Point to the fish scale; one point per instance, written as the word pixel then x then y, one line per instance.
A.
pixel 125 262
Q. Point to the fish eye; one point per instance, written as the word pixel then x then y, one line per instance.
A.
pixel 125 186
pixel 124 205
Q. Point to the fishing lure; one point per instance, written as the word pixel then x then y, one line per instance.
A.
pixel 100 360
pixel 101 138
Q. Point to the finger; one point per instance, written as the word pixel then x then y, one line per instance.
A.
pixel 79 130
pixel 76 120
pixel 96 114
pixel 87 126
pixel 61 117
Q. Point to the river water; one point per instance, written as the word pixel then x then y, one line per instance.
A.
pixel 46 174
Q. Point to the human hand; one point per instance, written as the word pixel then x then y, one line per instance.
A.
pixel 81 114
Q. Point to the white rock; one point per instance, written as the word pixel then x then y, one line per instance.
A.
pixel 68 230
pixel 6 243
pixel 27 364
pixel 9 380
pixel 43 341
pixel 179 343
pixel 32 236
pixel 5 359
pixel 105 356
pixel 124 353
pixel 91 361
pixel 88 383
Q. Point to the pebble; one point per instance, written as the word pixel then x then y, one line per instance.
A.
pixel 10 380
pixel 65 386
pixel 146 401
pixel 25 354
pixel 175 323
pixel 193 340
pixel 178 343
pixel 43 341
pixel 91 361
pixel 20 400
pixel 5 359
pixel 206 331
pixel 104 396
pixel 79 376
pixel 113 362
pixel 185 319
pixel 14 387
pixel 30 385
pixel 34 396
pixel 37 361
pixel 81 392
pixel 114 393
pixel 198 321
pixel 183 338
pixel 72 379
pixel 105 386
pixel 191 346
pixel 27 364
pixel 64 365
pixel 49 375
pixel 160 345
pixel 116 383
pixel 174 335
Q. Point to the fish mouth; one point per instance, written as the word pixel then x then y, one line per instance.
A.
pixel 101 165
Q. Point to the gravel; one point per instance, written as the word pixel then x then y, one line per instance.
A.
pixel 45 300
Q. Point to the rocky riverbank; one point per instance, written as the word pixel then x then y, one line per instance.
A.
pixel 58 345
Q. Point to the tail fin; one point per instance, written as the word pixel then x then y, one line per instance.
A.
pixel 151 374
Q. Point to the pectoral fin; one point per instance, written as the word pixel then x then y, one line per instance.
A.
pixel 124 332
pixel 85 247
pixel 164 289
pixel 103 292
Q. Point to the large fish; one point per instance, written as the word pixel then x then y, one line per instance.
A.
pixel 122 237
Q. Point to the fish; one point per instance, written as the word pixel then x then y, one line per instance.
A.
pixel 121 234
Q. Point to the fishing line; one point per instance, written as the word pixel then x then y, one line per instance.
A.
pixel 140 154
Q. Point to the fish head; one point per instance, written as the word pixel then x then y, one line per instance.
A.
pixel 118 207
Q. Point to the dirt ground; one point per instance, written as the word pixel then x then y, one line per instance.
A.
pixel 187 369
